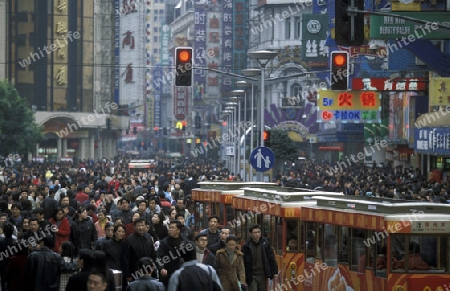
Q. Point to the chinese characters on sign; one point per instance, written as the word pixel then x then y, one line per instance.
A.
pixel 432 140
pixel 386 84
pixel 349 106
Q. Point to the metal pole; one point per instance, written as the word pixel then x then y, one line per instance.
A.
pixel 252 119
pixel 245 137
pixel 239 137
pixel 261 115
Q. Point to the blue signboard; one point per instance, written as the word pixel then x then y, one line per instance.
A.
pixel 432 140
pixel 262 159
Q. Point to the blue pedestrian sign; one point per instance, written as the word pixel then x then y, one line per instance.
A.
pixel 262 159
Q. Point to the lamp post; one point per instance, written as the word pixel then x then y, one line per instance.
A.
pixel 231 106
pixel 251 73
pixel 237 96
pixel 263 57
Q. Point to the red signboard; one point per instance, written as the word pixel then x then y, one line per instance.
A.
pixel 180 102
pixel 386 84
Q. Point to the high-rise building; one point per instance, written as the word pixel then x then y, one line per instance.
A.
pixel 54 60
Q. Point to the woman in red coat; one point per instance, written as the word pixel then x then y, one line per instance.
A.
pixel 62 229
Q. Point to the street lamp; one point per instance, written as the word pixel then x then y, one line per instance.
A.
pixel 263 57
pixel 237 96
pixel 251 73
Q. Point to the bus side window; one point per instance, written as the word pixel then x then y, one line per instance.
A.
pixel 292 236
pixel 343 244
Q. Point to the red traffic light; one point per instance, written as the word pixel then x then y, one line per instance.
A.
pixel 266 135
pixel 340 59
pixel 184 55
pixel 184 123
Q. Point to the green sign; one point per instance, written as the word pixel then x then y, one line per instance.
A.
pixel 314 33
pixel 390 27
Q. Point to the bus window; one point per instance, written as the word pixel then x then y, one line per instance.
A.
pixel 237 224
pixel 423 254
pixel 278 225
pixel 330 249
pixel 310 242
pixel 319 241
pixel 267 231
pixel 292 236
pixel 358 250
pixel 380 249
pixel 229 213
pixel 343 244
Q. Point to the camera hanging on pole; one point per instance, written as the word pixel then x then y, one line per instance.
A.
pixel 349 24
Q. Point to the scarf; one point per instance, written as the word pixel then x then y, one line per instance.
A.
pixel 229 254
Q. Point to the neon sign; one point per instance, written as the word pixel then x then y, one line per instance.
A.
pixel 349 106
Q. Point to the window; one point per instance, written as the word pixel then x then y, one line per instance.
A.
pixel 288 28
pixel 330 246
pixel 155 29
pixel 414 253
pixel 155 38
pixel 297 28
pixel 292 236
pixel 296 90
pixel 344 244
pixel 310 242
pixel 358 257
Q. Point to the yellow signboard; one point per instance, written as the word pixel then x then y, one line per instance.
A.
pixel 349 100
pixel 439 92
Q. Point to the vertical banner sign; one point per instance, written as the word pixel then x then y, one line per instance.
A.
pixel 227 43
pixel 157 74
pixel 200 53
pixel 314 36
pixel 116 50
pixel 214 55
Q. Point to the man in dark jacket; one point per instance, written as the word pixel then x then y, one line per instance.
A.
pixel 169 252
pixel 194 275
pixel 259 260
pixel 49 204
pixel 43 268
pixel 138 245
pixel 83 233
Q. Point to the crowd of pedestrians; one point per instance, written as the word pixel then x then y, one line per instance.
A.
pixel 96 225
pixel 363 180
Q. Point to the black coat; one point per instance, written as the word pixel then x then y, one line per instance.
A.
pixel 83 234
pixel 170 247
pixel 270 265
pixel 43 270
pixel 135 247
pixel 113 250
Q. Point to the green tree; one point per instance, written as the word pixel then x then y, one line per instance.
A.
pixel 19 131
pixel 282 146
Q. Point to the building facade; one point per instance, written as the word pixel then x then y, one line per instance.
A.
pixel 54 61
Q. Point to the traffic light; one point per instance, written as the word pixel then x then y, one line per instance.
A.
pixel 183 125
pixel 156 129
pixel 164 131
pixel 108 123
pixel 339 70
pixel 135 130
pixel 266 138
pixel 183 66
pixel 198 122
pixel 343 23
